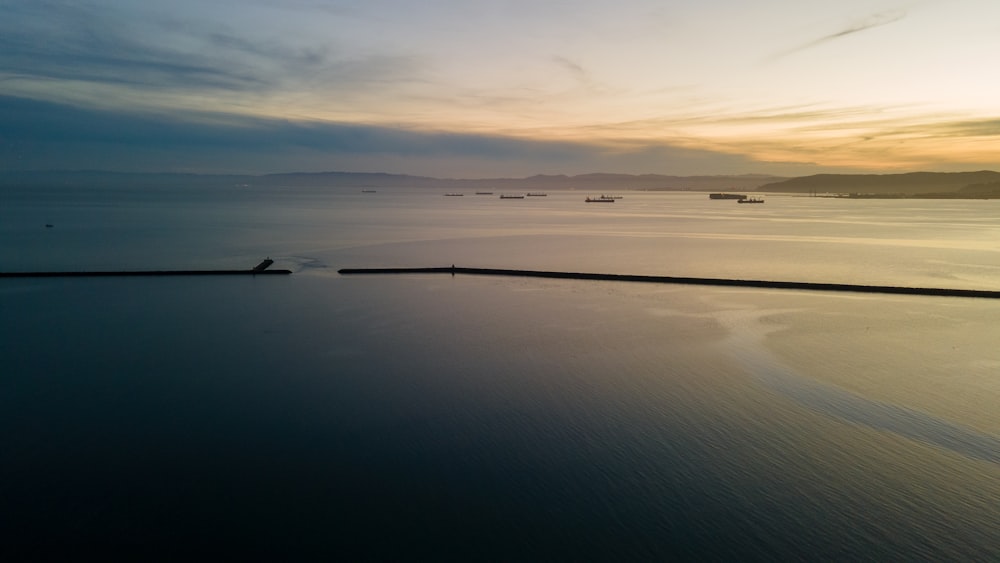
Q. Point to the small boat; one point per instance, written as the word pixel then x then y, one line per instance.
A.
pixel 453 195
pixel 726 196
pixel 536 194
pixel 505 196
pixel 367 191
pixel 484 193
pixel 601 199
pixel 751 200
pixel 610 196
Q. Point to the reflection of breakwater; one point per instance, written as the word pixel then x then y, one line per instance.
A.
pixel 811 286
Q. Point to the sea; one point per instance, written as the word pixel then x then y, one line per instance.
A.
pixel 321 416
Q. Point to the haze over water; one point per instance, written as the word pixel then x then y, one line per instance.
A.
pixel 466 417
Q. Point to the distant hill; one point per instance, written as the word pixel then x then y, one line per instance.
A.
pixel 106 179
pixel 983 184
pixel 584 182
pixel 991 190
pixel 913 183
pixel 344 179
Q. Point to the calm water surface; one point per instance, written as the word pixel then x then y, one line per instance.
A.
pixel 469 417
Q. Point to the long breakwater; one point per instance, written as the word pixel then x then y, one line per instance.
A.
pixel 729 282
pixel 124 273
pixel 259 269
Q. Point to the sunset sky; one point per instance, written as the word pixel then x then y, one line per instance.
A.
pixel 466 88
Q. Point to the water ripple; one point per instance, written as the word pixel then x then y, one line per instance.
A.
pixel 746 341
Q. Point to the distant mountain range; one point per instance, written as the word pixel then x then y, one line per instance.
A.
pixel 361 180
pixel 915 184
pixel 984 183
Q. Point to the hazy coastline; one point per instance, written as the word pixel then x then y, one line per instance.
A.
pixel 953 185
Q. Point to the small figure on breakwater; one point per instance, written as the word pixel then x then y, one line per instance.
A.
pixel 452 270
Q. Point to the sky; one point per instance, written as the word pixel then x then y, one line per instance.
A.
pixel 477 89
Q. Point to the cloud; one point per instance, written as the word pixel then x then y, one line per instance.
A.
pixel 47 40
pixel 83 43
pixel 987 127
pixel 574 68
pixel 46 135
pixel 872 21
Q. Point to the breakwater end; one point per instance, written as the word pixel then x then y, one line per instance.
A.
pixel 808 286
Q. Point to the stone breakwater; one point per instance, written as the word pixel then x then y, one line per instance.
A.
pixel 808 286
pixel 259 269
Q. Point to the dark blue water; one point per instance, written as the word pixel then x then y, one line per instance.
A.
pixel 381 418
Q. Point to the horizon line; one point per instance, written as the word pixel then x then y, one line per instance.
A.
pixel 547 175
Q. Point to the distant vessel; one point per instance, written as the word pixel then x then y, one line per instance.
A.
pixel 536 194
pixel 367 191
pixel 505 196
pixel 751 200
pixel 484 193
pixel 610 196
pixel 601 199
pixel 453 195
pixel 726 196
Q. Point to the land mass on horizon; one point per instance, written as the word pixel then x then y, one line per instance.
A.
pixel 983 184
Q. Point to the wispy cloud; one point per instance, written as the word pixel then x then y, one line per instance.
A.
pixel 872 21
pixel 989 127
pixel 84 42
pixel 574 68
